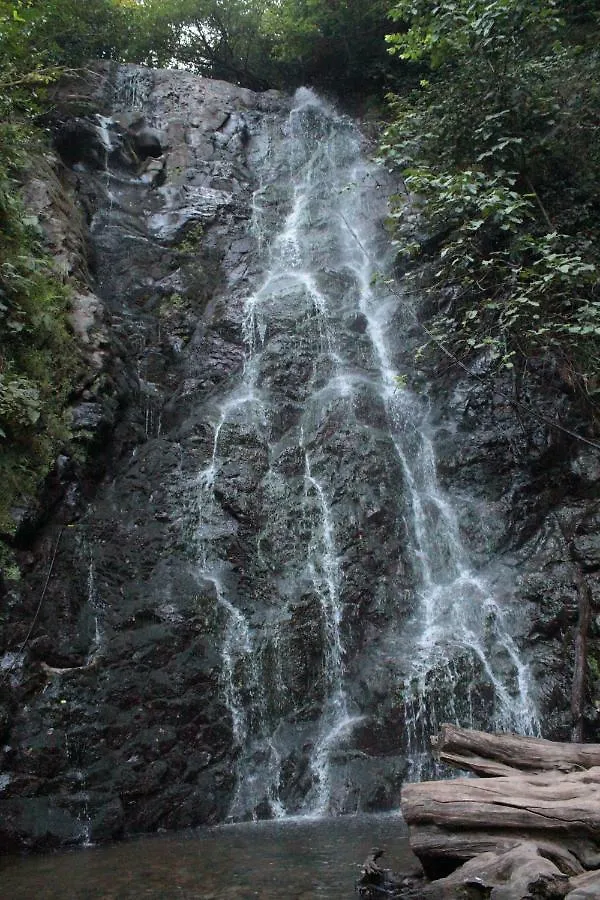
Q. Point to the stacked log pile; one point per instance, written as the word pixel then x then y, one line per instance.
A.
pixel 528 828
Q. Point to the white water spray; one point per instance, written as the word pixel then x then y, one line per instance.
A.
pixel 316 299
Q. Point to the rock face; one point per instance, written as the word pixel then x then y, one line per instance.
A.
pixel 229 610
pixel 513 452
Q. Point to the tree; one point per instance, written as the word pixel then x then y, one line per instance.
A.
pixel 39 33
pixel 217 38
pixel 331 43
pixel 501 143
pixel 265 43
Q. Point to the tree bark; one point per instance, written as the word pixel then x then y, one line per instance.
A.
pixel 508 754
pixel 452 821
pixel 578 688
pixel 535 792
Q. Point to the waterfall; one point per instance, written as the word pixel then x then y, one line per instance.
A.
pixel 316 452
pixel 461 641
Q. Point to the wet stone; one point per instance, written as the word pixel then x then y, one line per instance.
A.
pixel 279 566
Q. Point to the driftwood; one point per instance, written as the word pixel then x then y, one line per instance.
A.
pixel 519 872
pixel 536 814
pixel 453 821
pixel 505 754
pixel 375 882
pixel 585 887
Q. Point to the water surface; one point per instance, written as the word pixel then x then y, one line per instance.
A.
pixel 292 859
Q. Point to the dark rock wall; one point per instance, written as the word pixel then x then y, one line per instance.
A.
pixel 114 715
pixel 512 451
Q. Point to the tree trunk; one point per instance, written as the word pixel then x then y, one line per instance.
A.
pixel 535 792
pixel 451 821
pixel 508 754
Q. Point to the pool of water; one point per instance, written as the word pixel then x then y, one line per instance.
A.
pixel 293 859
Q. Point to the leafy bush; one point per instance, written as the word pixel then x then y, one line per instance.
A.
pixel 38 356
pixel 501 146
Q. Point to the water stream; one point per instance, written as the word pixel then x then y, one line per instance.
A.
pixel 296 860
pixel 320 329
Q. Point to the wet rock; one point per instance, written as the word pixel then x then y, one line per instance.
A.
pixel 107 823
pixel 37 823
pixel 87 416
pixel 186 627
pixel 81 141
pixel 154 172
pixel 146 140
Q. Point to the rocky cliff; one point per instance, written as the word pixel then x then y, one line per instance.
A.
pixel 230 527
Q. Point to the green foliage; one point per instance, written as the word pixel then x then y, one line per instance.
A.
pixel 501 147
pixel 266 43
pixel 217 38
pixel 192 241
pixel 38 358
pixel 256 43
pixel 9 568
pixel 36 34
pixel 333 44
pixel 496 30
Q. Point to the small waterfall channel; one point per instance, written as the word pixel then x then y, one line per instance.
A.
pixel 325 466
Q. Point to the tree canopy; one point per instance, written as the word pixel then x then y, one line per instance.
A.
pixel 329 42
pixel 501 142
pixel 262 43
pixel 217 38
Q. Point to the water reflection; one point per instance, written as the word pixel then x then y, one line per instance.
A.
pixel 298 859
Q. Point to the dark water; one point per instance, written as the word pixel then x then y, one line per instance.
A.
pixel 293 859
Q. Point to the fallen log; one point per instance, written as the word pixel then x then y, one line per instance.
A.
pixel 515 801
pixel 495 755
pixel 584 887
pixel 529 873
pixel 441 852
pixel 452 821
pixel 536 794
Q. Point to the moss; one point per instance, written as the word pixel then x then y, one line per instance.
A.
pixel 40 361
pixel 594 667
pixel 9 567
pixel 173 303
pixel 192 240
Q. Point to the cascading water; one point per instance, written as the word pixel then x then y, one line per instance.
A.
pixel 325 573
pixel 466 667
pixel 262 601
pixel 461 645
pixel 319 330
